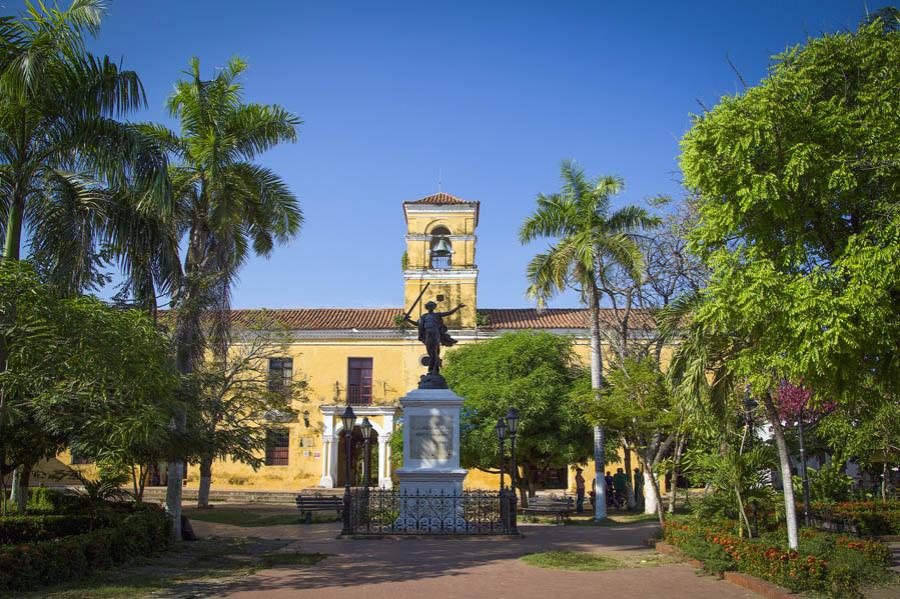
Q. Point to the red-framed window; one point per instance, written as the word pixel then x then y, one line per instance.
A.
pixel 359 381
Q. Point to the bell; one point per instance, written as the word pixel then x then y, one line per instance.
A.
pixel 441 248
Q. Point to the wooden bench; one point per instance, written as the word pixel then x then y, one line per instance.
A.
pixel 307 504
pixel 558 507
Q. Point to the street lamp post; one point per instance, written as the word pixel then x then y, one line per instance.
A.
pixel 501 435
pixel 366 427
pixel 349 420
pixel 502 431
pixel 512 425
pixel 803 473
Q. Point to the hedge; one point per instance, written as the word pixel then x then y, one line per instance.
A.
pixel 25 566
pixel 826 562
pixel 867 517
pixel 30 528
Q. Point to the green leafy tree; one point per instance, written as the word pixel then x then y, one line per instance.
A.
pixel 238 402
pixel 80 356
pixel 588 234
pixel 639 406
pixel 227 208
pixel 796 182
pixel 534 373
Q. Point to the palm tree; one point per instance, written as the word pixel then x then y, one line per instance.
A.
pixel 227 208
pixel 63 154
pixel 590 239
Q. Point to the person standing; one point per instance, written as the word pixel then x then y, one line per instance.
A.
pixel 579 491
pixel 620 484
pixel 609 488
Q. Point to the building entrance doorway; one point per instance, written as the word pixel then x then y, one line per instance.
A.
pixel 357 458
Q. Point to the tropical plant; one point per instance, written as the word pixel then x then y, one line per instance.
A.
pixel 226 209
pixel 589 236
pixel 64 158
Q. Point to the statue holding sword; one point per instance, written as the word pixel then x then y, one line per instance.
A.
pixel 433 334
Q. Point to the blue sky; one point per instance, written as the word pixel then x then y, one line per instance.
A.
pixel 487 97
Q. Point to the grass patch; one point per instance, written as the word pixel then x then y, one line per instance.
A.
pixel 572 560
pixel 254 518
pixel 291 559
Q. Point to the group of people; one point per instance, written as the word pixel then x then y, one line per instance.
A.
pixel 616 489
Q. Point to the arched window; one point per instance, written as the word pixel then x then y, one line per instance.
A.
pixel 441 248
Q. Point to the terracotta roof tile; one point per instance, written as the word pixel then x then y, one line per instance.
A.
pixel 557 318
pixel 440 198
pixel 320 318
pixel 335 319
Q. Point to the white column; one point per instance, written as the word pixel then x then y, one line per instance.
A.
pixel 333 465
pixel 384 480
pixel 327 458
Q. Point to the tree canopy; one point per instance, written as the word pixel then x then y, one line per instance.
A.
pixel 534 373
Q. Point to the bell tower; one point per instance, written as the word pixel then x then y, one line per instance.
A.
pixel 440 251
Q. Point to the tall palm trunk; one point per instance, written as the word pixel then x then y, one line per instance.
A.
pixel 14 220
pixel 790 507
pixel 597 384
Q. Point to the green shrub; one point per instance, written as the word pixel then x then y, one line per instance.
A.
pixel 869 517
pixel 30 528
pixel 825 562
pixel 144 532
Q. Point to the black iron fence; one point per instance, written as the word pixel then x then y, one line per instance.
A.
pixel 390 512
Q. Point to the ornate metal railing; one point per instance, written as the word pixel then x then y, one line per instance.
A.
pixel 389 512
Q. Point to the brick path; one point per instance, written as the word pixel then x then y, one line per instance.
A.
pixel 468 568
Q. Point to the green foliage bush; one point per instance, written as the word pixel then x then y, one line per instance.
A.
pixel 826 562
pixel 30 528
pixel 25 566
pixel 868 517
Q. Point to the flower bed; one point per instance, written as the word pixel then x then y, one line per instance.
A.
pixel 27 565
pixel 825 563
pixel 860 517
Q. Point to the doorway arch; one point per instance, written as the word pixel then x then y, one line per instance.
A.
pixel 357 457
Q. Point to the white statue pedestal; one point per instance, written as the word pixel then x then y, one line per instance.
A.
pixel 431 481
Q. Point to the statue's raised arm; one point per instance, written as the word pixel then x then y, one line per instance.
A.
pixel 451 312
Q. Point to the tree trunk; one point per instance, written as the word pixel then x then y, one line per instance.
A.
pixel 676 460
pixel 15 218
pixel 651 491
pixel 597 384
pixel 885 472
pixel 17 495
pixel 629 486
pixel 205 481
pixel 650 476
pixel 790 506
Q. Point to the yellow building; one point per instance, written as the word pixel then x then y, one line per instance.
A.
pixel 362 357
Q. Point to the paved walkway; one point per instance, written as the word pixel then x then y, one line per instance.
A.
pixel 468 568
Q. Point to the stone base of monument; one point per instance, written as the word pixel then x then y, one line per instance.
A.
pixel 431 481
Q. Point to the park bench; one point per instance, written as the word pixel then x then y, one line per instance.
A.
pixel 307 504
pixel 558 507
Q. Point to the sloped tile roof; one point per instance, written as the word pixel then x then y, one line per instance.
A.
pixel 336 319
pixel 320 318
pixel 558 318
pixel 440 198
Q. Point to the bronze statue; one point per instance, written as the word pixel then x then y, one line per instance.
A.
pixel 433 334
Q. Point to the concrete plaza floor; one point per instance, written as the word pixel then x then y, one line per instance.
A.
pixel 474 568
